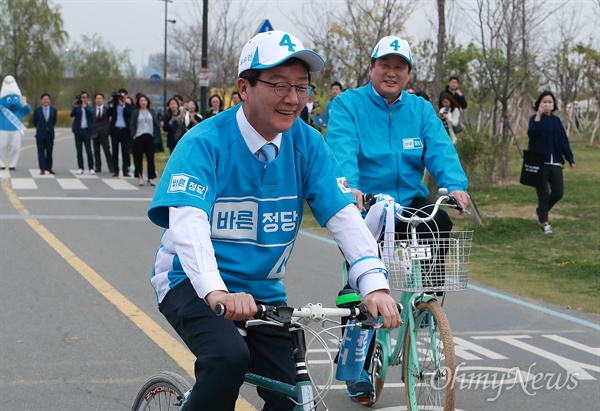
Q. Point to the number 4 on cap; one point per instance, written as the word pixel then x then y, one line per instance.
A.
pixel 395 45
pixel 287 41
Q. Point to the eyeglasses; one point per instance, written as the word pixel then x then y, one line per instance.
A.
pixel 282 88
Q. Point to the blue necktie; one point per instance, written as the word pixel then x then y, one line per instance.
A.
pixel 46 115
pixel 268 151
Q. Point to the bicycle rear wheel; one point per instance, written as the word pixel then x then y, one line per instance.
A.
pixel 430 378
pixel 164 391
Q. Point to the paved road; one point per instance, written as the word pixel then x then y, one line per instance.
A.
pixel 79 328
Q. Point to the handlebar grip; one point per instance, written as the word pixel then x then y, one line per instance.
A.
pixel 452 202
pixel 221 310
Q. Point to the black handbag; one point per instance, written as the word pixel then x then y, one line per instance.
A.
pixel 532 171
pixel 457 129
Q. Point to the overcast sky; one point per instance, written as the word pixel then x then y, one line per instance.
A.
pixel 138 25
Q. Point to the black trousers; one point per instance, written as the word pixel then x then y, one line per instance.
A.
pixel 223 356
pixel 101 142
pixel 44 149
pixel 120 136
pixel 144 144
pixel 550 191
pixel 82 139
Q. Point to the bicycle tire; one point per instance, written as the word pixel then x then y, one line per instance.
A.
pixel 433 387
pixel 164 391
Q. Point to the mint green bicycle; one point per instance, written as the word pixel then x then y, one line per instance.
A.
pixel 424 266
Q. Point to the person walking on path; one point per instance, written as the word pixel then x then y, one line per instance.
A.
pixel 83 126
pixel 547 136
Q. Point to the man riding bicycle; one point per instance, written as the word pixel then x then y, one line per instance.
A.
pixel 384 139
pixel 231 200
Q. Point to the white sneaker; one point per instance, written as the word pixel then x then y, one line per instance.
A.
pixel 547 229
pixel 92 171
pixel 80 171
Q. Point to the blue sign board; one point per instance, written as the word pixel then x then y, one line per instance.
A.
pixel 155 79
pixel 265 26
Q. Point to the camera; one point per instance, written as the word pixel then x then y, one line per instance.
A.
pixel 116 94
pixel 78 101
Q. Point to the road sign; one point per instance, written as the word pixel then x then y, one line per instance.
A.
pixel 155 79
pixel 203 77
pixel 264 26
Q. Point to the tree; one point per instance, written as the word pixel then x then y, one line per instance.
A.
pixel 352 31
pixel 96 66
pixel 226 39
pixel 31 40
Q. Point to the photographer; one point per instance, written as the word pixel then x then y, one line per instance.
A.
pixel 83 125
pixel 120 113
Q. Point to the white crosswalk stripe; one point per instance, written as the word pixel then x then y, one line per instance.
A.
pixel 78 182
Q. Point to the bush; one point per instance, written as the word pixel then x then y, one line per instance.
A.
pixel 477 152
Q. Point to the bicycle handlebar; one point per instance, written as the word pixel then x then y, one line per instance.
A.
pixel 285 316
pixel 370 199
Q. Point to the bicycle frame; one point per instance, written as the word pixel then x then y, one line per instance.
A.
pixel 302 391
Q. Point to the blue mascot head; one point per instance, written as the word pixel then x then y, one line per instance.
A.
pixel 10 94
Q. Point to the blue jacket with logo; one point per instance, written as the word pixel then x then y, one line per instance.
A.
pixel 383 149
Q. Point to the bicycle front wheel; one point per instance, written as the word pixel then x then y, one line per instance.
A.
pixel 430 364
pixel 163 391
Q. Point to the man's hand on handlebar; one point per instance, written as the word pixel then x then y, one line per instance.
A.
pixel 359 196
pixel 239 306
pixel 380 301
pixel 462 198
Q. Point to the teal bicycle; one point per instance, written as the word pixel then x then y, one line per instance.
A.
pixel 168 391
pixel 423 266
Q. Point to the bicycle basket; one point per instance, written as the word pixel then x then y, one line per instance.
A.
pixel 432 264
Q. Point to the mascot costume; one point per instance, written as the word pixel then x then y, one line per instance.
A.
pixel 13 108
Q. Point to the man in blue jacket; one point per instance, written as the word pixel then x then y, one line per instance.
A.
pixel 384 138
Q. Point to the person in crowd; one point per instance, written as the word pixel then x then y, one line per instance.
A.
pixel 192 117
pixel 120 110
pixel 100 135
pixel 145 129
pixel 173 123
pixel 231 200
pixel 83 126
pixel 547 136
pixel 455 92
pixel 235 99
pixel 384 138
pixel 44 120
pixel 336 89
pixel 450 115
pixel 216 105
pixel 307 111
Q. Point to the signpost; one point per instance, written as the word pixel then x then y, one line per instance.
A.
pixel 203 77
pixel 265 26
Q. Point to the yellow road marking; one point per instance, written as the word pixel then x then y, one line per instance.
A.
pixel 177 351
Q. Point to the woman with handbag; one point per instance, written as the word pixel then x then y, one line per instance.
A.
pixel 548 137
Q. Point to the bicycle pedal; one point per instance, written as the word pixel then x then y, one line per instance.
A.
pixel 365 401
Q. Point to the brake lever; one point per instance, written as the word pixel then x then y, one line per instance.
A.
pixel 454 204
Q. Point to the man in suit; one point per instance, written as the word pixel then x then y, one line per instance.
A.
pixel 120 113
pixel 44 120
pixel 83 126
pixel 455 92
pixel 100 136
